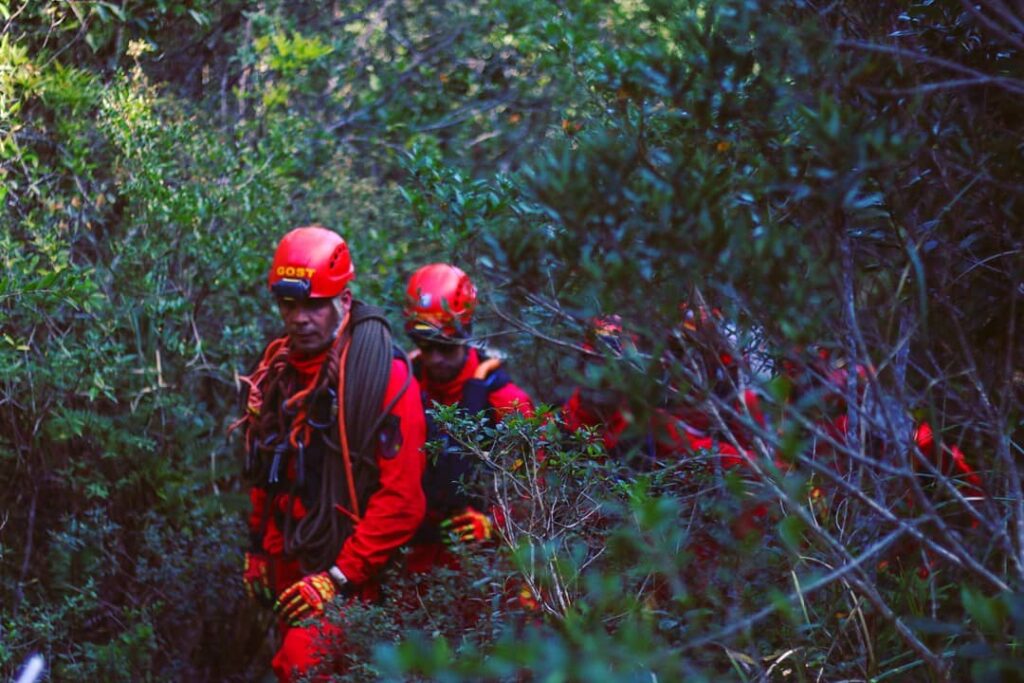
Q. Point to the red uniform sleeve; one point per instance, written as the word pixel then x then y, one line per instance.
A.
pixel 671 439
pixel 510 399
pixel 924 437
pixel 395 510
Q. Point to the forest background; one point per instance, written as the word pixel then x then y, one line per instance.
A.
pixel 837 179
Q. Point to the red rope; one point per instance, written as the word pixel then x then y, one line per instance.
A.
pixel 300 428
pixel 346 456
pixel 254 403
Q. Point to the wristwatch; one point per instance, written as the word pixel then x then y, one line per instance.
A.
pixel 339 577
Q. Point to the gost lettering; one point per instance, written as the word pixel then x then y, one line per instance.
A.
pixel 295 271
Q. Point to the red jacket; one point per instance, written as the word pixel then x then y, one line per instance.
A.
pixel 666 437
pixel 701 435
pixel 924 438
pixel 577 417
pixel 393 512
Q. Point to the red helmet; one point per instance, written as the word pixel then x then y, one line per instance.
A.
pixel 700 319
pixel 311 262
pixel 440 300
pixel 605 334
pixel 709 328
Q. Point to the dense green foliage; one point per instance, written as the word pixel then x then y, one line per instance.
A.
pixel 842 176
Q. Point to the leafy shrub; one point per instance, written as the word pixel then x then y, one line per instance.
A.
pixel 836 181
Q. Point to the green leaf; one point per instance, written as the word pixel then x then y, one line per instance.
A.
pixel 988 614
pixel 791 530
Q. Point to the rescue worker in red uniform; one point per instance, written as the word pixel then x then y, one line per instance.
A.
pixel 708 337
pixel 815 372
pixel 818 371
pixel 709 346
pixel 440 300
pixel 334 428
pixel 599 407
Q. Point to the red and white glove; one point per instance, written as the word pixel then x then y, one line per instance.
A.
pixel 469 526
pixel 308 596
pixel 256 577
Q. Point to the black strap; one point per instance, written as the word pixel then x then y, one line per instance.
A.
pixel 477 392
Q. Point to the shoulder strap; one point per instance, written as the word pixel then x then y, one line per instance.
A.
pixel 486 367
pixel 488 378
pixel 415 364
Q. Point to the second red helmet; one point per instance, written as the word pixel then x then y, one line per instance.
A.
pixel 311 263
pixel 440 299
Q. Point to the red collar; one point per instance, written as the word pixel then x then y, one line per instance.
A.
pixel 307 366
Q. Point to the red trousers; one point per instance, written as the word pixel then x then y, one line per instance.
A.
pixel 304 649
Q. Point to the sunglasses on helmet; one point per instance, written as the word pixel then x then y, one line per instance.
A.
pixel 288 288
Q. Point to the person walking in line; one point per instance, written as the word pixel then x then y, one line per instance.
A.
pixel 334 429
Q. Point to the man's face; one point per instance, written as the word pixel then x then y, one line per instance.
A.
pixel 311 323
pixel 441 361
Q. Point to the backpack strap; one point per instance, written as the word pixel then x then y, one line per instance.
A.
pixel 488 378
pixel 486 367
